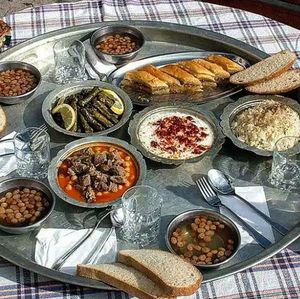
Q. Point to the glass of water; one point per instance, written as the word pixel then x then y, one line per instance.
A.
pixel 142 211
pixel 285 173
pixel 32 151
pixel 69 56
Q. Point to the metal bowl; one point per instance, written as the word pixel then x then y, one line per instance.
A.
pixel 29 183
pixel 189 215
pixel 100 35
pixel 81 144
pixel 208 117
pixel 12 65
pixel 243 103
pixel 73 88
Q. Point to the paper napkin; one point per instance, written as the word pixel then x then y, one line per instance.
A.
pixel 7 163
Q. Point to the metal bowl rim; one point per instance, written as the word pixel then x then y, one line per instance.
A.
pixel 21 64
pixel 209 117
pixel 52 98
pixel 141 40
pixel 187 214
pixel 38 223
pixel 63 153
pixel 232 109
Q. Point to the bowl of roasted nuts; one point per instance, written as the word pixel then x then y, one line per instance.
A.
pixel 24 205
pixel 117 43
pixel 18 81
pixel 204 238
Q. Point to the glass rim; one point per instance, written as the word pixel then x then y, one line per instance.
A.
pixel 32 128
pixel 65 41
pixel 292 150
pixel 143 186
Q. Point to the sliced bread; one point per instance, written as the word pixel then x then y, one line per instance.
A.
pixel 2 120
pixel 169 271
pixel 285 82
pixel 124 278
pixel 266 69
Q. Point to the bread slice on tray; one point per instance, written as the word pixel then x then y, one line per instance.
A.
pixel 266 69
pixel 175 275
pixel 124 278
pixel 285 82
pixel 2 120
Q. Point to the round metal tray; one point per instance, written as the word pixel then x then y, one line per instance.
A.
pixel 174 183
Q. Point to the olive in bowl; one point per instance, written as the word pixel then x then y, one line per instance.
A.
pixel 18 81
pixel 205 238
pixel 24 205
pixel 117 44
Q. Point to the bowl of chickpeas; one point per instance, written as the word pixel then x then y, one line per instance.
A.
pixel 117 43
pixel 24 205
pixel 18 81
pixel 204 238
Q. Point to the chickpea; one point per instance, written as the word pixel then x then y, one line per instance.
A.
pixel 207 239
pixel 205 249
pixel 180 244
pixel 228 253
pixel 209 233
pixel 220 253
pixel 202 257
pixel 8 195
pixel 194 226
pixel 190 247
pixel 229 247
pixel 201 236
pixel 174 240
pixel 230 241
pixel 188 254
pixel 197 220
pixel 201 230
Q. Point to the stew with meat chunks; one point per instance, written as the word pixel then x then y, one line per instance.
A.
pixel 99 173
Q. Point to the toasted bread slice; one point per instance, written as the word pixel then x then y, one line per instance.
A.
pixel 145 82
pixel 124 278
pixel 266 69
pixel 219 72
pixel 174 84
pixel 2 120
pixel 285 82
pixel 175 275
pixel 227 64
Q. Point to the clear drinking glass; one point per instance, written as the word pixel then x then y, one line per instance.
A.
pixel 142 211
pixel 32 151
pixel 69 56
pixel 285 173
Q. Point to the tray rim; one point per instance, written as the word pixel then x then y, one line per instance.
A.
pixel 236 46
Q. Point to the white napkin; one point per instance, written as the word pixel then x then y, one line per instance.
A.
pixel 256 196
pixel 51 244
pixel 7 163
pixel 100 66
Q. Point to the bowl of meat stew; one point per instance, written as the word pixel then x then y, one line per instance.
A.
pixel 95 171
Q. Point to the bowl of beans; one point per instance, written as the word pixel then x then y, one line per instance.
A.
pixel 24 205
pixel 18 81
pixel 117 44
pixel 204 238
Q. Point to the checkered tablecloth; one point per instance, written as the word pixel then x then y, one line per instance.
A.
pixel 278 277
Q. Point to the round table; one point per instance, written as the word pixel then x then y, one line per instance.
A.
pixel 278 277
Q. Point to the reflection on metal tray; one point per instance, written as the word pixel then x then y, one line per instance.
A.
pixel 144 99
pixel 175 184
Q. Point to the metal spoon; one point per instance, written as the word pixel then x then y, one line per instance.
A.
pixel 117 219
pixel 221 183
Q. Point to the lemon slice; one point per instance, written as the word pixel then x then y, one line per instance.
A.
pixel 118 106
pixel 67 113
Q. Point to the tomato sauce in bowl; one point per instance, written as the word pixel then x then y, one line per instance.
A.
pixel 71 182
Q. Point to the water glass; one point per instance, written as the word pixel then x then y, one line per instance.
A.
pixel 285 173
pixel 32 151
pixel 142 211
pixel 69 56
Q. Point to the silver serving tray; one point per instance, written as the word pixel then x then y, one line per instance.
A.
pixel 208 117
pixel 69 89
pixel 175 184
pixel 143 99
pixel 243 103
pixel 84 143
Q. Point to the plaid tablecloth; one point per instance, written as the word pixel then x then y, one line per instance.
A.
pixel 278 277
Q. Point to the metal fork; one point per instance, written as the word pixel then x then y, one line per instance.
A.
pixel 212 199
